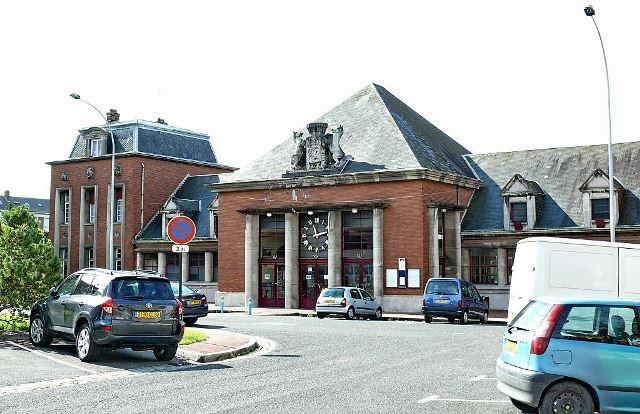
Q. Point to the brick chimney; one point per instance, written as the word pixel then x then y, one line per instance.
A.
pixel 113 115
pixel 161 121
pixel 6 194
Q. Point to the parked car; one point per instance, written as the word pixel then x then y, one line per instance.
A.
pixel 573 355
pixel 453 299
pixel 102 309
pixel 347 301
pixel 194 304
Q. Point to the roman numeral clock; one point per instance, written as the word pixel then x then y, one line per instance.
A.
pixel 314 235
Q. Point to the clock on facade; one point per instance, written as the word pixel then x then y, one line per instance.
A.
pixel 314 235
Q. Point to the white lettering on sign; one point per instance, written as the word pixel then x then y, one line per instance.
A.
pixel 180 248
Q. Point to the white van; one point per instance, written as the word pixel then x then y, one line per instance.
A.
pixel 549 266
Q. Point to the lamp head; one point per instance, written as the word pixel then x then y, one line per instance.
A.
pixel 589 11
pixel 75 95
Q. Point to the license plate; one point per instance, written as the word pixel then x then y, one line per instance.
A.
pixel 511 346
pixel 147 315
pixel 329 301
pixel 441 300
pixel 194 302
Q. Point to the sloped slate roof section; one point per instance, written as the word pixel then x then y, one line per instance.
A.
pixel 559 172
pixel 380 133
pixel 122 136
pixel 175 145
pixel 192 188
pixel 36 205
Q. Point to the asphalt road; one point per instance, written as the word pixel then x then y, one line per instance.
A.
pixel 306 366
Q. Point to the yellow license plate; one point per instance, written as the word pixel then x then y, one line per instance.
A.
pixel 511 346
pixel 441 301
pixel 148 315
pixel 329 301
pixel 194 302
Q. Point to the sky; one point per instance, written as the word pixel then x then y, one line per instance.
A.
pixel 494 75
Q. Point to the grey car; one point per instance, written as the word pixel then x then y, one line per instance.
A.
pixel 103 309
pixel 347 301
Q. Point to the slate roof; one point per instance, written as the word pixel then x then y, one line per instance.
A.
pixel 36 205
pixel 195 197
pixel 380 133
pixel 153 138
pixel 559 173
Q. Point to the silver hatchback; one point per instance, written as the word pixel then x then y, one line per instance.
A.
pixel 347 301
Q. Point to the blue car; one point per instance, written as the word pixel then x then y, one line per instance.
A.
pixel 572 356
pixel 453 298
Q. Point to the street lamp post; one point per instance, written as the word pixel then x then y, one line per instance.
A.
pixel 590 12
pixel 113 183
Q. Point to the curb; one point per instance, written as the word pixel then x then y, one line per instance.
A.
pixel 217 356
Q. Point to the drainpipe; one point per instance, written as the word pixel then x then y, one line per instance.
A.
pixel 142 196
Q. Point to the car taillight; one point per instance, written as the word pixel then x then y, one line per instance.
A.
pixel 343 302
pixel 540 342
pixel 179 307
pixel 107 306
pixel 204 300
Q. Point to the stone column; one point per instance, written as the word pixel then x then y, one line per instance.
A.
pixel 251 268
pixel 466 258
pixel 453 244
pixel 334 252
pixel 378 253
pixel 139 261
pixel 208 266
pixel 291 268
pixel 162 263
pixel 184 261
pixel 434 254
pixel 502 267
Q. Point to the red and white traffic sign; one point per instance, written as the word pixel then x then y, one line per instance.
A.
pixel 181 230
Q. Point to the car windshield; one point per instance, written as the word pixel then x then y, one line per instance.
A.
pixel 442 287
pixel 141 289
pixel 531 316
pixel 333 293
pixel 185 289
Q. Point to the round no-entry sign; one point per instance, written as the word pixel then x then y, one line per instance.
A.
pixel 181 230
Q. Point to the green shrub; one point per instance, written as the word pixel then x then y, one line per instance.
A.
pixel 192 336
pixel 10 322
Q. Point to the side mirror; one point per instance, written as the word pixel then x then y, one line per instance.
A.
pixel 53 292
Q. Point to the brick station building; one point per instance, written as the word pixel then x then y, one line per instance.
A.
pixel 370 194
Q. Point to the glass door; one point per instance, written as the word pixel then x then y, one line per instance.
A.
pixel 271 285
pixel 312 281
pixel 358 274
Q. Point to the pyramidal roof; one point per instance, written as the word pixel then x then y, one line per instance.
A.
pixel 380 132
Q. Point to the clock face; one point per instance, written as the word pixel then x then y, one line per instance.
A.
pixel 314 235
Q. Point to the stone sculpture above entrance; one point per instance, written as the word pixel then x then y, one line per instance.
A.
pixel 317 152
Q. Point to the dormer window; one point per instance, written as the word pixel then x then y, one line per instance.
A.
pixel 595 199
pixel 96 147
pixel 522 199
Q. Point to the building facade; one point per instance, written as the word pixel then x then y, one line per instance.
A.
pixel 151 160
pixel 39 207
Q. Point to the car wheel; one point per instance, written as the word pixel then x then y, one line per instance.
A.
pixel 165 353
pixel 190 321
pixel 320 315
pixel 351 313
pixel 464 319
pixel 378 314
pixel 524 408
pixel 451 320
pixel 485 317
pixel 566 397
pixel 85 347
pixel 427 319
pixel 38 332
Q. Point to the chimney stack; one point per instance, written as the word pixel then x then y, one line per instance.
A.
pixel 113 115
pixel 6 194
pixel 161 121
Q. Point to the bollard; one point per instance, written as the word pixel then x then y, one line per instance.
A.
pixel 221 304
pixel 250 305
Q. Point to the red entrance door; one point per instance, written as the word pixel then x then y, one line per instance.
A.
pixel 271 286
pixel 312 281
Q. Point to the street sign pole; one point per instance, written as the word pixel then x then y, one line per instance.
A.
pixel 181 230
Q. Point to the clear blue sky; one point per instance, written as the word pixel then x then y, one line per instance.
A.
pixel 494 75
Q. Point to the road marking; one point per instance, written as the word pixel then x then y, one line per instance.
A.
pixel 66 382
pixel 42 354
pixel 437 398
pixel 482 377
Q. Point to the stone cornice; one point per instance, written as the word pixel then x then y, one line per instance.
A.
pixel 547 232
pixel 143 155
pixel 353 178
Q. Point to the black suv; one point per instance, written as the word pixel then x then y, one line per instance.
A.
pixel 104 309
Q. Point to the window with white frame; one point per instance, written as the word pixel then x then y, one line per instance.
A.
pixel 117 254
pixel 96 147
pixel 119 207
pixel 90 206
pixel 518 212
pixel 89 258
pixel 600 208
pixel 65 207
pixel 63 254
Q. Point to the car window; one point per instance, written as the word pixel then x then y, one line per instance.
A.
pixel 332 293
pixel 621 321
pixel 355 294
pixel 441 287
pixel 580 322
pixel 142 289
pixel 84 285
pixel 530 317
pixel 99 285
pixel 465 291
pixel 185 289
pixel 68 286
pixel 609 324
pixel 365 295
pixel 475 293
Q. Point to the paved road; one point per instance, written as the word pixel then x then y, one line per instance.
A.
pixel 308 366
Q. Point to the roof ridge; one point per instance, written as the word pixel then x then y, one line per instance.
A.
pixel 573 147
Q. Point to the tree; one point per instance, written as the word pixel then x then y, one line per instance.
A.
pixel 28 267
